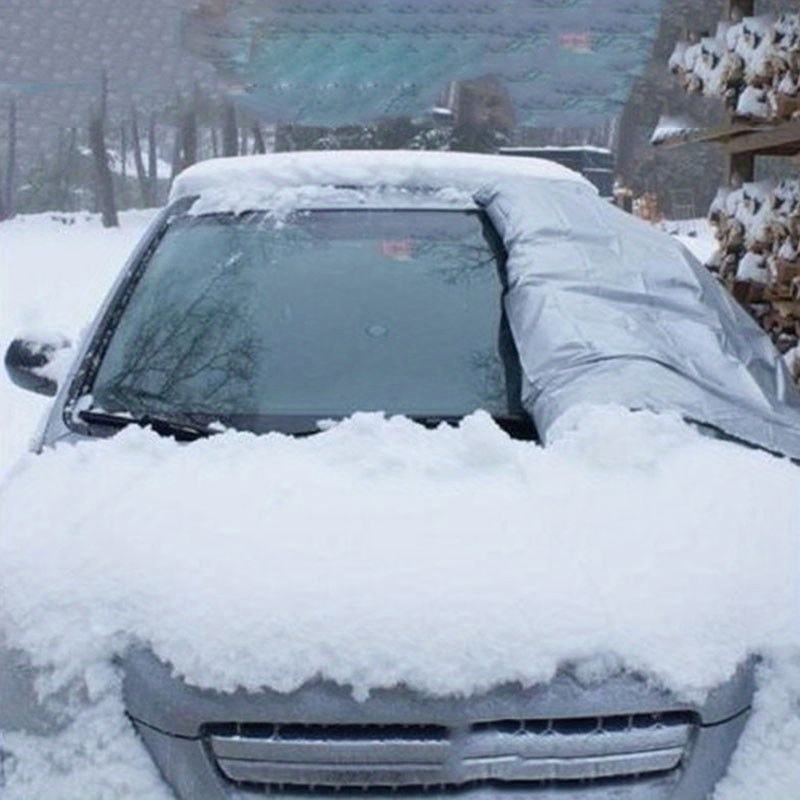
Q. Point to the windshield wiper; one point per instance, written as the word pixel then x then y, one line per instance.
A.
pixel 183 431
pixel 518 427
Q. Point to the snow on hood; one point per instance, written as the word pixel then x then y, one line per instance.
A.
pixel 379 552
pixel 247 182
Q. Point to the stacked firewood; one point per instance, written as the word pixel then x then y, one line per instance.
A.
pixel 758 231
pixel 754 65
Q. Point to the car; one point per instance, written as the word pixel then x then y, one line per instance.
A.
pixel 277 291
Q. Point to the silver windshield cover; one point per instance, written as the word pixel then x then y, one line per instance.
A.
pixel 604 309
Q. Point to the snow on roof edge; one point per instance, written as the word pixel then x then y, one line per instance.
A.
pixel 366 168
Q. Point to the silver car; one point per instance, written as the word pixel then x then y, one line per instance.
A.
pixel 472 249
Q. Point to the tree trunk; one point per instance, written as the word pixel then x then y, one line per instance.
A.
pixel 259 146
pixel 152 161
pixel 188 138
pixel 3 214
pixel 7 189
pixel 230 134
pixel 141 175
pixel 104 181
pixel 70 172
pixel 176 154
pixel 123 153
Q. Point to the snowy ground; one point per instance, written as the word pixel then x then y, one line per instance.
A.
pixel 54 271
pixel 434 493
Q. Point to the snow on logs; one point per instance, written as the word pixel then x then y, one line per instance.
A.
pixel 758 231
pixel 753 65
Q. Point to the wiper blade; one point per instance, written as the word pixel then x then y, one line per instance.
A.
pixel 518 427
pixel 182 431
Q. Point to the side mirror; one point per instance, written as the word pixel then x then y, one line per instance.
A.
pixel 36 364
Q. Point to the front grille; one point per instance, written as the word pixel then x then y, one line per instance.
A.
pixel 504 751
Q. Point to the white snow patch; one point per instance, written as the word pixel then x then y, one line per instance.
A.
pixel 393 573
pixel 247 182
pixel 55 269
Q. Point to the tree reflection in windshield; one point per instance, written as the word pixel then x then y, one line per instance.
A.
pixel 320 314
pixel 197 355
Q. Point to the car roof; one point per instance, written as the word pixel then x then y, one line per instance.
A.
pixel 234 183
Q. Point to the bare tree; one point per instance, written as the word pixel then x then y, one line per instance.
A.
pixel 152 160
pixel 3 213
pixel 123 152
pixel 141 175
pixel 7 188
pixel 230 133
pixel 259 145
pixel 188 132
pixel 176 154
pixel 104 182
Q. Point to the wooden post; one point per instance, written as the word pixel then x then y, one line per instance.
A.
pixel 741 8
pixel 740 168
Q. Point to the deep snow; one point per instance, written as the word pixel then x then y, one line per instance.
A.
pixel 674 553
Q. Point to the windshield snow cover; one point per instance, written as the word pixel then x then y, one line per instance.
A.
pixel 604 310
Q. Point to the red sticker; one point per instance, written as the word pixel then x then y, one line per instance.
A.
pixel 398 249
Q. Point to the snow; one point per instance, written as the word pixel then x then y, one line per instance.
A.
pixel 54 271
pixel 672 127
pixel 696 235
pixel 246 182
pixel 753 102
pixel 750 64
pixel 382 551
pixel 573 148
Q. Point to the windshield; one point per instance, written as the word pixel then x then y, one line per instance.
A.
pixel 276 324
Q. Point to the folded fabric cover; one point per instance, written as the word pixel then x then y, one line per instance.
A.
pixel 604 309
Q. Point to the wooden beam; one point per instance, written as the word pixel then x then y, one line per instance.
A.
pixel 780 140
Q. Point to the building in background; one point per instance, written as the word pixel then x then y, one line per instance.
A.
pixel 594 163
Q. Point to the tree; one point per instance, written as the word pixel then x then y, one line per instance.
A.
pixel 152 160
pixel 230 133
pixel 3 213
pixel 141 175
pixel 104 184
pixel 7 187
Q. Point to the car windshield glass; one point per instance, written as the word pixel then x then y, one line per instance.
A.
pixel 251 320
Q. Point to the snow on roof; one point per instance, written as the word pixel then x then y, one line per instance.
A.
pixel 670 127
pixel 228 181
pixel 577 148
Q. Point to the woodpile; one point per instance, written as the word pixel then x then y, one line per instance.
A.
pixel 647 208
pixel 758 231
pixel 753 65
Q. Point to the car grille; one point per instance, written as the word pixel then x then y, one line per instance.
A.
pixel 499 751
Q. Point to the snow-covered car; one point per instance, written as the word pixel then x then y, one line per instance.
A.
pixel 284 293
